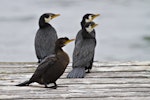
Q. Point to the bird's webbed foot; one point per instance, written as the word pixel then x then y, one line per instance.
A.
pixel 52 87
pixel 55 86
pixel 46 86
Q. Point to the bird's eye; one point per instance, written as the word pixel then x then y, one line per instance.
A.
pixel 61 42
pixel 46 16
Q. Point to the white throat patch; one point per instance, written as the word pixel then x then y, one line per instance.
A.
pixel 47 20
pixel 89 29
pixel 90 17
pixel 87 20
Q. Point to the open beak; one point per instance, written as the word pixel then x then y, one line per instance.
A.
pixel 55 15
pixel 68 41
pixel 94 25
pixel 94 16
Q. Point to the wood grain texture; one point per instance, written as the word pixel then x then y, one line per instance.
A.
pixel 107 80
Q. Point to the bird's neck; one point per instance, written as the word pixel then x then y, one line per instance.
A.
pixel 58 49
pixel 62 56
pixel 43 24
pixel 86 35
pixel 82 23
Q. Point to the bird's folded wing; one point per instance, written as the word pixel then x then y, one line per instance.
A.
pixel 45 42
pixel 44 66
pixel 83 54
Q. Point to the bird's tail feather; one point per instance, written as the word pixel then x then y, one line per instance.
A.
pixel 77 73
pixel 26 83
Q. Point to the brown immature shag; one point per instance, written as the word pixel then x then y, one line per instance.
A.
pixel 52 67
pixel 84 50
pixel 46 37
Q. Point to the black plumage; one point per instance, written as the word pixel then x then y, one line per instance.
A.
pixel 46 37
pixel 52 67
pixel 88 18
pixel 78 70
pixel 84 50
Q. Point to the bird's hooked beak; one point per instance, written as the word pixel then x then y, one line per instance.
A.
pixel 94 25
pixel 55 15
pixel 94 16
pixel 68 41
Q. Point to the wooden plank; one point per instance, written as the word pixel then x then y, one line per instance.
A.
pixel 142 74
pixel 117 81
pixel 30 93
pixel 104 80
pixel 31 68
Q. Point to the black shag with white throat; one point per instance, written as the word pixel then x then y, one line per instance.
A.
pixel 88 18
pixel 84 51
pixel 76 68
pixel 52 67
pixel 46 37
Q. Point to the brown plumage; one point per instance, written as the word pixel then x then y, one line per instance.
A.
pixel 52 67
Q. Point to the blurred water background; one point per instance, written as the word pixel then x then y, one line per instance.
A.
pixel 123 33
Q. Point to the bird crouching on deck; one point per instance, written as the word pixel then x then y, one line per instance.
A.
pixel 84 51
pixel 46 37
pixel 52 67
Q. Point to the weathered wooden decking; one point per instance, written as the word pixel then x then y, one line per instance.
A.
pixel 107 81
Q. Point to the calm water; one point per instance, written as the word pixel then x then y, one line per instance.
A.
pixel 124 26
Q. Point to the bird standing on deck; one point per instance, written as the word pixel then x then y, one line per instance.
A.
pixel 84 50
pixel 78 70
pixel 52 67
pixel 46 37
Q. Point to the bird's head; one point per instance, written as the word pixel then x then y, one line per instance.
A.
pixel 89 17
pixel 61 42
pixel 89 27
pixel 47 17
